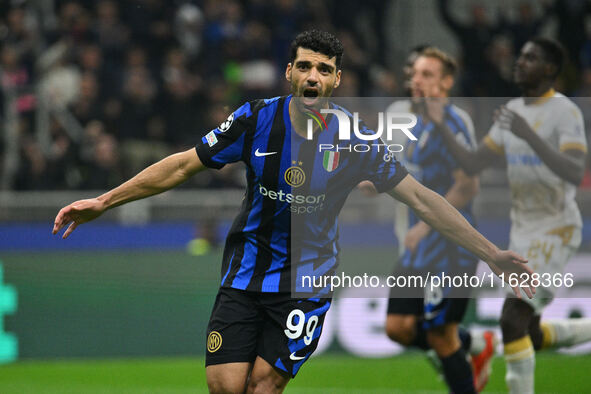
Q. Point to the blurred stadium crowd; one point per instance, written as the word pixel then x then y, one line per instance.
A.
pixel 93 91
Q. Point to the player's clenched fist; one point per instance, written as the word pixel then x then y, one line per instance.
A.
pixel 76 213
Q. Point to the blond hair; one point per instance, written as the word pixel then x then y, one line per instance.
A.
pixel 448 64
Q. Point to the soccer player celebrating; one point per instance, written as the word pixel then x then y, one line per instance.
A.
pixel 542 137
pixel 258 335
pixel 431 322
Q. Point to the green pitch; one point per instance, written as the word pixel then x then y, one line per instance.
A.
pixel 325 374
pixel 140 304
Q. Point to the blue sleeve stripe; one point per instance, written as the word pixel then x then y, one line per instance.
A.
pixel 271 100
pixel 227 154
pixel 461 126
pixel 244 110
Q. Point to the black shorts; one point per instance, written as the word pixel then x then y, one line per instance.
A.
pixel 431 306
pixel 281 330
pixel 447 310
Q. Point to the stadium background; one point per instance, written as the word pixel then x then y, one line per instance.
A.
pixel 92 91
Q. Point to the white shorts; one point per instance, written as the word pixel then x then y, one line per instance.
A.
pixel 547 252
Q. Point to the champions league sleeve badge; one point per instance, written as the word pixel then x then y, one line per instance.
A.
pixel 226 123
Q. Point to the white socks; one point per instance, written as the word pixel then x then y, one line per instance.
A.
pixel 521 362
pixel 567 332
pixel 520 355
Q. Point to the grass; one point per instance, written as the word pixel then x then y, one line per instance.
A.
pixel 336 374
pixel 139 304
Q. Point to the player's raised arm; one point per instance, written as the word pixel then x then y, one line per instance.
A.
pixel 472 162
pixel 439 214
pixel 157 178
pixel 568 161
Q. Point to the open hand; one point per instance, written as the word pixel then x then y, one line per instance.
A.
pixel 510 120
pixel 513 265
pixel 76 213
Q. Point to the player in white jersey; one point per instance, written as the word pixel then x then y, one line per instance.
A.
pixel 541 135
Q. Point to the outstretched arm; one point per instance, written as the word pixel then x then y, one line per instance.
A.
pixel 157 178
pixel 439 214
pixel 463 190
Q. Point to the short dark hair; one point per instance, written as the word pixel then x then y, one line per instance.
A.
pixel 554 52
pixel 318 41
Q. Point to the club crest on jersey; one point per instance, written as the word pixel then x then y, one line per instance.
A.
pixel 214 341
pixel 330 161
pixel 294 176
pixel 227 123
pixel 211 138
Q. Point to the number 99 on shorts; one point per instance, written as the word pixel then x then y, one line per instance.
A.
pixel 296 324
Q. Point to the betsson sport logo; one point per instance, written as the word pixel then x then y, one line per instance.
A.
pixel 394 122
pixel 298 203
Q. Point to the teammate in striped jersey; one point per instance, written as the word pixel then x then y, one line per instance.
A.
pixel 542 137
pixel 427 321
pixel 258 334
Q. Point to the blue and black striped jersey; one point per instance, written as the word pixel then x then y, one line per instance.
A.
pixel 432 164
pixel 288 218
